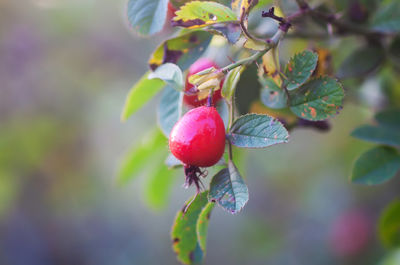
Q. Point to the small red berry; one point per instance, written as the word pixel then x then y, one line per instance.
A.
pixel 198 138
pixel 200 65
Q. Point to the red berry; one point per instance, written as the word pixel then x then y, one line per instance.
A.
pixel 198 138
pixel 200 65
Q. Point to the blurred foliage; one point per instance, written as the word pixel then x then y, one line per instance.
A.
pixel 66 67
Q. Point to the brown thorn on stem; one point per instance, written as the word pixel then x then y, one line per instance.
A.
pixel 284 25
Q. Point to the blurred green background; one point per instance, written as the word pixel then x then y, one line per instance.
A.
pixel 66 67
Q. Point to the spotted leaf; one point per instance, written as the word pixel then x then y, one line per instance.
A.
pixel 228 189
pixel 317 99
pixel 299 69
pixel 198 14
pixel 184 231
pixel 257 131
pixel 272 95
pixel 202 225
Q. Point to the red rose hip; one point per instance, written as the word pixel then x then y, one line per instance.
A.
pixel 198 66
pixel 198 138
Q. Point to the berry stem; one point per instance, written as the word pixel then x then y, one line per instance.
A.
pixel 210 97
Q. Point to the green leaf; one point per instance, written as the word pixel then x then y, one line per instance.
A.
pixel 198 14
pixel 318 99
pixel 376 166
pixel 231 81
pixel 228 189
pixel 202 225
pixel 257 131
pixel 159 185
pixel 171 74
pixel 184 231
pixel 147 16
pixel 380 135
pixel 140 155
pixel 140 94
pixel 393 258
pixel 183 50
pixel 389 118
pixel 387 18
pixel 169 110
pixel 389 225
pixel 299 69
pixel 361 62
pixel 272 95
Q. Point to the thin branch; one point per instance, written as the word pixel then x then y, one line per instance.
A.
pixel 332 19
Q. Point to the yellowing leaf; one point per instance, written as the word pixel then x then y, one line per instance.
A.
pixel 198 14
pixel 324 64
pixel 270 66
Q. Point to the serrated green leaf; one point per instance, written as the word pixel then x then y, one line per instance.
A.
pixel 318 99
pixel 389 225
pixel 231 81
pixel 197 14
pixel 170 73
pixel 202 225
pixel 159 185
pixel 387 18
pixel 272 95
pixel 147 16
pixel 361 62
pixel 144 90
pixel 380 135
pixel 389 118
pixel 184 231
pixel 257 131
pixel 183 50
pixel 299 69
pixel 140 155
pixel 376 166
pixel 170 109
pixel 228 189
